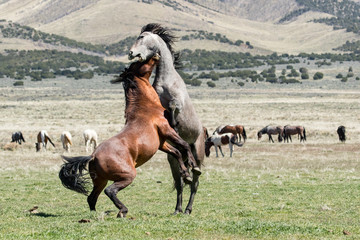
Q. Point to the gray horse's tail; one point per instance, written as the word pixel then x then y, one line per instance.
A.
pixel 72 173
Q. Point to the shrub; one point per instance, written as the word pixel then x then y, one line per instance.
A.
pixel 18 83
pixel 241 84
pixel 344 79
pixel 196 82
pixel 339 75
pixel 350 74
pixel 211 84
pixel 357 78
pixel 304 76
pixel 318 75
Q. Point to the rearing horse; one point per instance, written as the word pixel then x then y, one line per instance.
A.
pixel 146 130
pixel 155 39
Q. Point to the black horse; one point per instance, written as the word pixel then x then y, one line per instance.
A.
pixel 341 133
pixel 17 137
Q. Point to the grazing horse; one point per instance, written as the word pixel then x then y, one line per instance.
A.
pixel 157 40
pixel 43 138
pixel 146 130
pixel 271 130
pixel 66 140
pixel 292 130
pixel 17 137
pixel 217 140
pixel 341 132
pixel 91 139
pixel 234 129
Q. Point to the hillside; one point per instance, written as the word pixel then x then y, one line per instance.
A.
pixel 106 22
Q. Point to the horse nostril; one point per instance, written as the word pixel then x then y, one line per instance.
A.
pixel 130 53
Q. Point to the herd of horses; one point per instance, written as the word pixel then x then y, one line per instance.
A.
pixel 43 138
pixel 159 116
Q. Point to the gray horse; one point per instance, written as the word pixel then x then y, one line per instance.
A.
pixel 157 40
pixel 271 130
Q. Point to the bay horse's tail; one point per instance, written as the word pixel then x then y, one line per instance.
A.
pixel 304 132
pixel 244 134
pixel 72 173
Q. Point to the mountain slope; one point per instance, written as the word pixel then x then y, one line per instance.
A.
pixel 107 21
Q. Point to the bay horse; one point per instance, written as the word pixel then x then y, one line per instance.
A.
pixel 66 140
pixel 271 130
pixel 341 132
pixel 234 129
pixel 157 40
pixel 43 138
pixel 91 138
pixel 292 130
pixel 17 137
pixel 218 140
pixel 146 130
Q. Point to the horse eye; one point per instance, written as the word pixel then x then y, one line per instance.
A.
pixel 140 37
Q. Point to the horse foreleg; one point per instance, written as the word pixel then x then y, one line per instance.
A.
pixel 270 138
pixel 169 149
pixel 112 190
pixel 87 143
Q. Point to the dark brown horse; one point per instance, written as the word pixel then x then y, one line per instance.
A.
pixel 292 130
pixel 146 130
pixel 234 129
pixel 341 132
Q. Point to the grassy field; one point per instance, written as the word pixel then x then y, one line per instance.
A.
pixel 266 191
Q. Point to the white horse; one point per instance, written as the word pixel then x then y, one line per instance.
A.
pixel 43 138
pixel 217 140
pixel 66 140
pixel 90 137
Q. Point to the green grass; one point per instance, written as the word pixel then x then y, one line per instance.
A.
pixel 267 204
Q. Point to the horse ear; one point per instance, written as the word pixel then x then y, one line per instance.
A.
pixel 156 57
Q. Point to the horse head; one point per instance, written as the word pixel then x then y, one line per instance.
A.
pixel 152 40
pixel 208 144
pixel 259 134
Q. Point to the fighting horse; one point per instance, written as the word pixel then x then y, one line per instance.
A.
pixel 146 130
pixel 66 140
pixel 157 40
pixel 43 138
pixel 17 137
pixel 91 138
pixel 271 130
pixel 234 129
pixel 217 140
pixel 292 130
pixel 341 132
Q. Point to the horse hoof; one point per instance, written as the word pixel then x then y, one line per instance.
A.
pixel 177 212
pixel 188 180
pixel 121 215
pixel 187 212
pixel 196 170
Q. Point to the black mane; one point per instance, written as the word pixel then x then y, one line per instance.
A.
pixel 168 37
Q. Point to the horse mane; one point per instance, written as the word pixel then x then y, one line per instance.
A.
pixel 167 36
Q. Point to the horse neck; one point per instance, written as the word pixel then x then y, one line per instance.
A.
pixel 165 67
pixel 140 97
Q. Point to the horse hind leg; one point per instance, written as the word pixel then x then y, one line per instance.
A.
pixel 178 183
pixel 99 185
pixel 112 190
